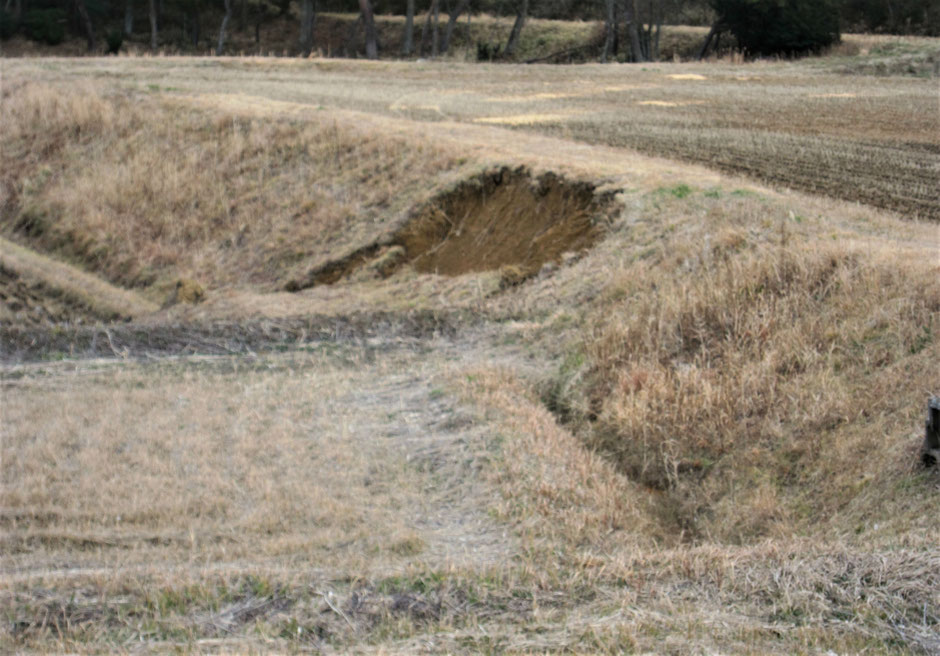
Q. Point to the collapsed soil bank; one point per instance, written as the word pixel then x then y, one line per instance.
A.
pixel 500 218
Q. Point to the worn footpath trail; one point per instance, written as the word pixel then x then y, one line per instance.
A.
pixel 362 449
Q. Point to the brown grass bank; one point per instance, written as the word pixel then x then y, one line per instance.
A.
pixel 699 434
pixel 143 191
pixel 748 376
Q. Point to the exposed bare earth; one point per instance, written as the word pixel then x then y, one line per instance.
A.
pixel 529 390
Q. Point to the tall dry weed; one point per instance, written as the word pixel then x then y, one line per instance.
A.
pixel 755 387
pixel 40 110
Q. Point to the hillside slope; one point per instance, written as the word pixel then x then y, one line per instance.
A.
pixel 456 384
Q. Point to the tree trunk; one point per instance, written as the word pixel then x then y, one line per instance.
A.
pixel 196 29
pixel 353 33
pixel 128 17
pixel 617 13
pixel 636 49
pixel 308 16
pixel 426 28
pixel 17 11
pixel 435 34
pixel 452 23
pixel 610 28
pixel 368 20
pixel 86 23
pixel 408 42
pixel 153 25
pixel 708 41
pixel 517 28
pixel 653 29
pixel 225 20
pixel 659 28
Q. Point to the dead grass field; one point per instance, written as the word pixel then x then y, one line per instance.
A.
pixel 688 424
pixel 806 126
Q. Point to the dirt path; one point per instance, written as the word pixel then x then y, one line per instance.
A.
pixel 355 453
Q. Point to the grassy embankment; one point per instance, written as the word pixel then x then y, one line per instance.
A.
pixel 180 193
pixel 735 378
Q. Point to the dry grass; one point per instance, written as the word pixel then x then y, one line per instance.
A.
pixel 206 472
pixel 742 362
pixel 327 500
pixel 219 198
pixel 33 279
pixel 881 54
pixel 592 530
pixel 752 385
pixel 802 125
pixel 699 435
pixel 573 496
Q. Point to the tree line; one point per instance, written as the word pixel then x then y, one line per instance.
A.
pixel 630 26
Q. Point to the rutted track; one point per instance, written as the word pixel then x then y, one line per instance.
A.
pixel 899 177
pixel 20 344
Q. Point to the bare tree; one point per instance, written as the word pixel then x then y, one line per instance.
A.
pixel 128 17
pixel 650 42
pixel 610 30
pixel 153 25
pixel 408 41
pixel 86 23
pixel 435 33
pixel 630 18
pixel 429 29
pixel 517 26
pixel 715 31
pixel 17 9
pixel 308 16
pixel 225 20
pixel 368 21
pixel 458 9
pixel 351 38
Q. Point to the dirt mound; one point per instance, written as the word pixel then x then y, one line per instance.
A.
pixel 30 302
pixel 500 218
pixel 35 289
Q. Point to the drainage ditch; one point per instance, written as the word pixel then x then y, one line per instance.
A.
pixel 499 219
